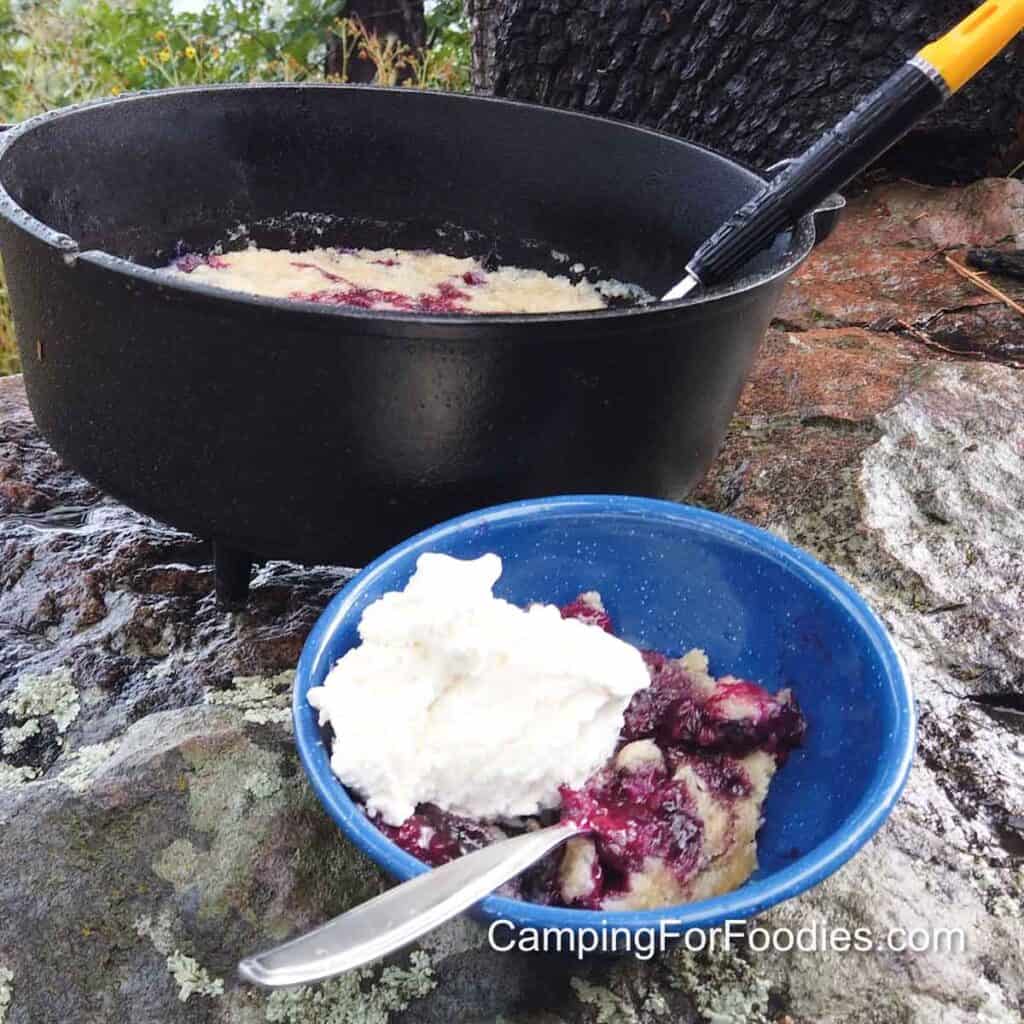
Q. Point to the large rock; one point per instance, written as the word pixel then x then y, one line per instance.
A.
pixel 155 825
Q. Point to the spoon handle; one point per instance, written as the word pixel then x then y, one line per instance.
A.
pixel 402 914
pixel 881 119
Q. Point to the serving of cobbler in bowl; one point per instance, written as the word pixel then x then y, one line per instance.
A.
pixel 725 717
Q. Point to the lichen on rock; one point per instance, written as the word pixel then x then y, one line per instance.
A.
pixel 355 997
pixel 262 784
pixel 178 863
pixel 12 776
pixel 83 762
pixel 13 737
pixel 397 987
pixel 609 1007
pixel 6 991
pixel 37 695
pixel 158 932
pixel 262 699
pixel 725 988
pixel 190 977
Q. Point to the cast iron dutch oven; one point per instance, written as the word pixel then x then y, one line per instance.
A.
pixel 283 429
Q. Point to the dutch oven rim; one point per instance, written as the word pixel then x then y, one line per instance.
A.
pixel 803 237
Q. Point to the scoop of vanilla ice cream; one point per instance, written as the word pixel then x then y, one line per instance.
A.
pixel 461 699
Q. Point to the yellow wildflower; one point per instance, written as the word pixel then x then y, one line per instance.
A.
pixel 143 61
pixel 116 91
pixel 160 36
pixel 190 52
pixel 164 55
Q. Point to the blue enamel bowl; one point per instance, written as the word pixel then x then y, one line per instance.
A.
pixel 674 578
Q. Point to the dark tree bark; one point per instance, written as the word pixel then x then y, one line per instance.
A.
pixel 401 18
pixel 483 22
pixel 756 80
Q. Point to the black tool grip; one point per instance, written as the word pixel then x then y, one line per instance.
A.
pixel 876 123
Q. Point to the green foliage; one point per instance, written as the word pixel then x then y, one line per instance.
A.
pixel 55 52
pixel 448 38
pixel 9 362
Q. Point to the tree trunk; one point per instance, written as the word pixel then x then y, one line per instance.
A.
pixel 401 18
pixel 756 80
pixel 484 16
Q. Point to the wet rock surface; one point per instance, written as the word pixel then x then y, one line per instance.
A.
pixel 155 824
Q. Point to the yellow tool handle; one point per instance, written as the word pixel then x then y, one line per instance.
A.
pixel 961 53
pixel 881 118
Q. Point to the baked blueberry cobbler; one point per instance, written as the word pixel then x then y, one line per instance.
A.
pixel 674 805
pixel 415 281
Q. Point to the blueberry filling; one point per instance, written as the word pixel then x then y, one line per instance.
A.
pixel 682 770
pixel 435 836
pixel 190 261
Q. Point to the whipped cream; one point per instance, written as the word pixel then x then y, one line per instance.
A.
pixel 461 699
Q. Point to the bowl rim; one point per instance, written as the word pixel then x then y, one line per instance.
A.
pixel 750 898
pixel 803 233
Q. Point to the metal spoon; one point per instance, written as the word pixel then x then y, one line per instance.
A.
pixel 401 915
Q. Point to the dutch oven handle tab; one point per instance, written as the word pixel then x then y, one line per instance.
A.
pixel 826 214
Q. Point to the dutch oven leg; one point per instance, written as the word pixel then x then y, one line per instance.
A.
pixel 231 571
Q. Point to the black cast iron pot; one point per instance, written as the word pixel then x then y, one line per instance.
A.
pixel 290 430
